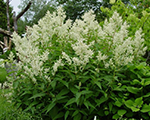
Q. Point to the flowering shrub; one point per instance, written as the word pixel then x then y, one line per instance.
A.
pixel 63 63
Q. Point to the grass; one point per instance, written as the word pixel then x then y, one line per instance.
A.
pixel 7 109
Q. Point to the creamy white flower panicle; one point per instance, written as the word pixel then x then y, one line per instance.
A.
pixel 114 46
pixel 123 49
pixel 101 57
pixel 65 56
pixel 56 65
pixel 29 54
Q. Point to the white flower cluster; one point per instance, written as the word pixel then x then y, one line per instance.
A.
pixel 123 49
pixel 2 63
pixel 31 57
pixel 114 47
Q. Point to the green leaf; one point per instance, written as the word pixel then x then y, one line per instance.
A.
pixel 141 65
pixel 53 84
pixel 75 113
pixel 110 106
pixel 133 90
pixel 98 84
pixel 102 100
pixel 63 92
pixel 116 116
pixel 147 95
pixel 59 115
pixel 50 106
pixel 37 95
pixel 73 89
pixel 72 100
pixel 132 105
pixel 3 74
pixel 78 95
pixel 64 82
pixel 135 81
pixel 77 117
pixel 106 113
pixel 88 104
pixel 139 102
pixel 118 103
pixel 66 115
pixel 129 103
pixel 147 81
pixel 145 108
pixel 134 109
pixel 86 92
pixel 121 112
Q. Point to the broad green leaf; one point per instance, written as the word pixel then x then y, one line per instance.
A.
pixel 139 102
pixel 102 100
pixel 88 104
pixel 53 84
pixel 106 113
pixel 64 82
pixel 66 115
pixel 145 108
pixel 116 116
pixel 50 106
pixel 129 103
pixel 135 81
pixel 73 89
pixel 147 81
pixel 118 103
pixel 110 106
pixel 119 89
pixel 147 95
pixel 86 92
pixel 59 115
pixel 3 74
pixel 148 74
pixel 141 65
pixel 98 84
pixel 134 109
pixel 78 95
pixel 75 113
pixel 77 117
pixel 133 90
pixel 63 92
pixel 72 100
pixel 38 95
pixel 121 112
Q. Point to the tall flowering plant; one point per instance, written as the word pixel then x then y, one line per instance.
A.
pixel 59 60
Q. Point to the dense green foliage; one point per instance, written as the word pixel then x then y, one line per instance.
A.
pixel 37 10
pixel 107 94
pixel 76 8
pixel 7 109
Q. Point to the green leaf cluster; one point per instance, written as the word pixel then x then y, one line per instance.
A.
pixel 106 94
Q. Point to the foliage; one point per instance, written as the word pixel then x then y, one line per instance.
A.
pixel 80 70
pixel 3 72
pixel 8 111
pixel 37 10
pixel 76 8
